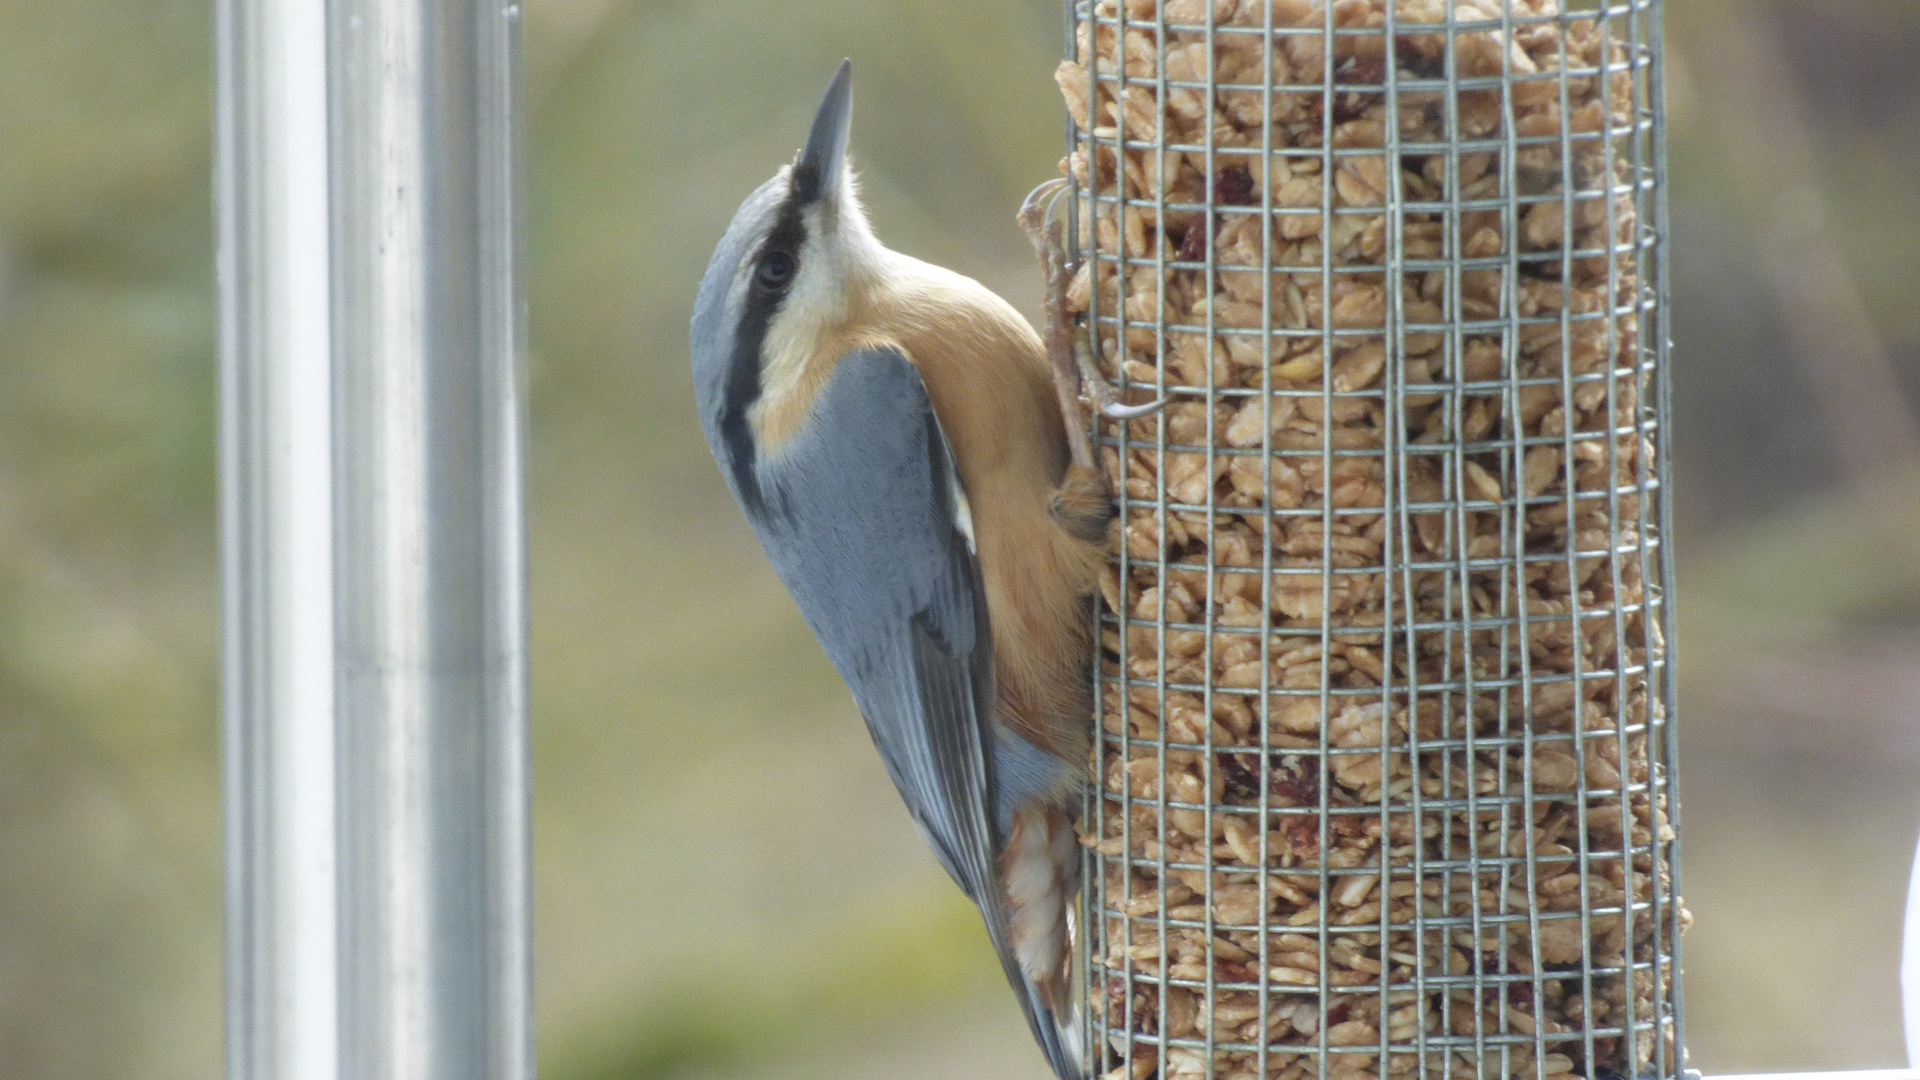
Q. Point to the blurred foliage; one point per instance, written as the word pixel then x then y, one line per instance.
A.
pixel 726 884
pixel 109 845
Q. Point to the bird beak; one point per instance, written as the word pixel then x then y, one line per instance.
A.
pixel 823 160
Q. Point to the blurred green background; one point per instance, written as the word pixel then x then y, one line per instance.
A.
pixel 726 885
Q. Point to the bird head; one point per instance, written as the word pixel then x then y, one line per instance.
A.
pixel 793 266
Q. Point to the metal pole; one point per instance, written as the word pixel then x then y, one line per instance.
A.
pixel 373 576
pixel 276 540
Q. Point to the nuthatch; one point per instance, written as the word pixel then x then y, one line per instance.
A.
pixel 893 432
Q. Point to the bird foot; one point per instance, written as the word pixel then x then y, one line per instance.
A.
pixel 1082 505
pixel 1077 381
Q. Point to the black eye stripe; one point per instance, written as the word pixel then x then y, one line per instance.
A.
pixel 788 233
pixel 743 369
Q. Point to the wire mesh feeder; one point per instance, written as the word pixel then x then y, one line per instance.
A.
pixel 1385 761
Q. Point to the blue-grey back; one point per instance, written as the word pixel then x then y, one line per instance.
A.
pixel 858 518
pixel 860 522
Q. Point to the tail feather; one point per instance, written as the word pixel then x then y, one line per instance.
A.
pixel 1041 872
pixel 1058 1033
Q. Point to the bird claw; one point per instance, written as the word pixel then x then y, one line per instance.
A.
pixel 1036 208
pixel 1106 400
pixel 1115 411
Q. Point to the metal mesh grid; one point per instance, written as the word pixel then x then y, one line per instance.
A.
pixel 1385 768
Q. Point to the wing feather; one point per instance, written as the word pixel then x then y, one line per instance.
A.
pixel 868 538
pixel 867 543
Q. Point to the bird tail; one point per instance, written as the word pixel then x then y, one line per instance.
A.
pixel 1041 872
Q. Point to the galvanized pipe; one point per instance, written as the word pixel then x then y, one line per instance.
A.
pixel 373 577
pixel 429 617
pixel 276 540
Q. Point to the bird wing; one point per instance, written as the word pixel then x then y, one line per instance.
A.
pixel 865 520
pixel 862 524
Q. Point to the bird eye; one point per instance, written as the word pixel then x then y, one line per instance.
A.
pixel 775 270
